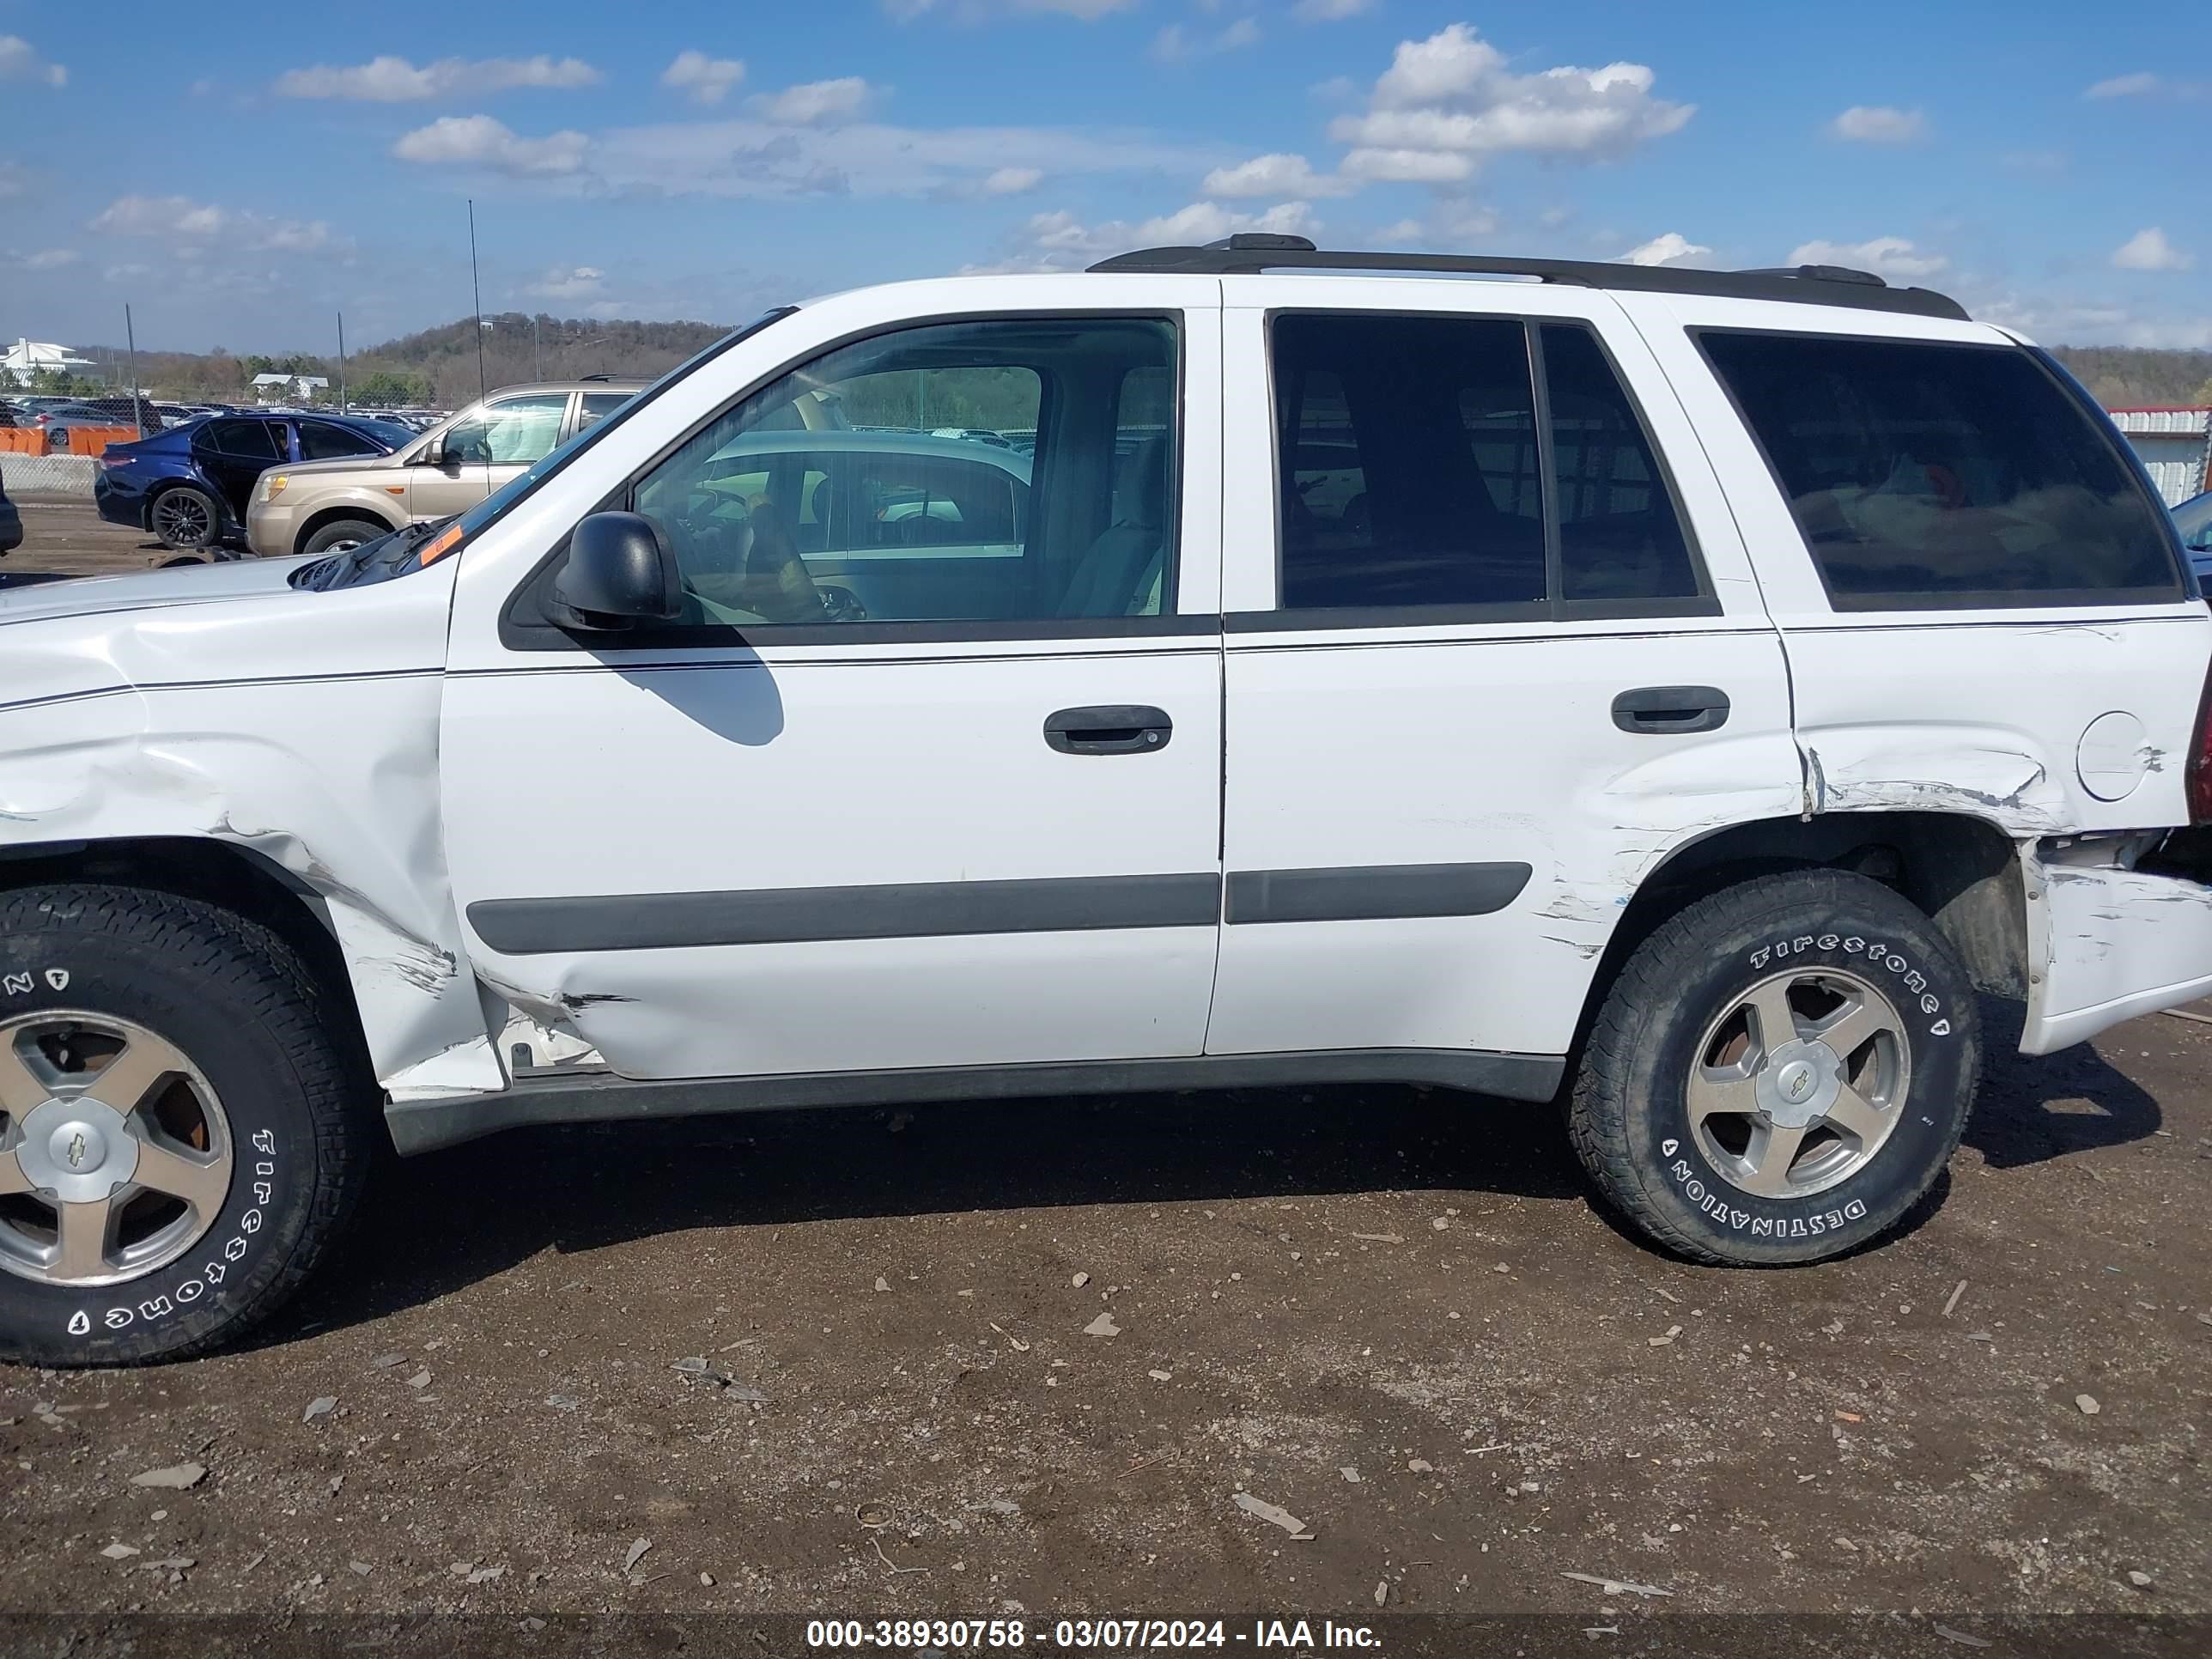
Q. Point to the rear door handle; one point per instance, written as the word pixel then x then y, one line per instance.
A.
pixel 1671 708
pixel 1116 728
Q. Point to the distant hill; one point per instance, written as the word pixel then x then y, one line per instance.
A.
pixel 438 366
pixel 2124 376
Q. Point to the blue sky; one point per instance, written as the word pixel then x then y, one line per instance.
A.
pixel 237 183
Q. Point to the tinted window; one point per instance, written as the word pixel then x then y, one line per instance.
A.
pixel 319 440
pixel 598 406
pixel 831 496
pixel 1620 537
pixel 250 440
pixel 511 431
pixel 1922 473
pixel 1409 469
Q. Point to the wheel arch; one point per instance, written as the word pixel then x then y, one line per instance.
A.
pixel 1960 870
pixel 234 878
pixel 336 513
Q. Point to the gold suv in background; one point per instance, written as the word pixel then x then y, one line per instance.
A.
pixel 327 506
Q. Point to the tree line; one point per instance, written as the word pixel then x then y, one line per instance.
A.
pixel 440 367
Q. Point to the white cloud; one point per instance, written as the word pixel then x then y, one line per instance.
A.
pixel 1879 123
pixel 1329 11
pixel 1448 103
pixel 569 282
pixel 1011 181
pixel 1405 233
pixel 1175 43
pixel 2144 84
pixel 181 219
pixel 817 103
pixel 389 79
pixel 747 157
pixel 2140 84
pixel 480 141
pixel 706 79
pixel 20 61
pixel 1886 256
pixel 1060 241
pixel 1667 248
pixel 2148 250
pixel 48 258
pixel 15 180
pixel 1277 174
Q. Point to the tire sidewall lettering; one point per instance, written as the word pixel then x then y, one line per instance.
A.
pixel 1912 982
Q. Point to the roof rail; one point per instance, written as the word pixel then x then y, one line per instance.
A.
pixel 1251 252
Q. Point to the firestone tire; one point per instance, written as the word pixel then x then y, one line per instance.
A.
pixel 1714 1116
pixel 242 1013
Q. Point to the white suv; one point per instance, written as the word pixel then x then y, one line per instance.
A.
pixel 1681 691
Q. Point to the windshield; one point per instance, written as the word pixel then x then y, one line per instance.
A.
pixel 389 434
pixel 401 553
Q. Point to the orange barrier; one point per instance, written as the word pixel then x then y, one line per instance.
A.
pixel 92 439
pixel 21 441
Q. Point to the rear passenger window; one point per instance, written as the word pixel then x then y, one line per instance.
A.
pixel 1926 475
pixel 1620 537
pixel 1415 472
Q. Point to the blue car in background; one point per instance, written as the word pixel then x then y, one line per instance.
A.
pixel 2193 518
pixel 189 485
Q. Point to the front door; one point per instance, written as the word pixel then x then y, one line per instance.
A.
pixel 969 818
pixel 485 448
pixel 1490 659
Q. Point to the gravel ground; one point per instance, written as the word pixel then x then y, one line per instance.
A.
pixel 976 1357
pixel 68 537
pixel 1031 1354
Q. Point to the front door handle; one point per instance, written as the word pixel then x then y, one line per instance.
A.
pixel 1116 728
pixel 1671 708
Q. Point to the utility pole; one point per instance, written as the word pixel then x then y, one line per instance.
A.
pixel 342 385
pixel 131 338
pixel 476 294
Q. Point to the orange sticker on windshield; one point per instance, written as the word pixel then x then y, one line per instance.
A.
pixel 447 540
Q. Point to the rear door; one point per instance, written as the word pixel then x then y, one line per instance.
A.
pixel 235 453
pixel 1493 652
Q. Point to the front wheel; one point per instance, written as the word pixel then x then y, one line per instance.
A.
pixel 1780 1071
pixel 344 536
pixel 181 1136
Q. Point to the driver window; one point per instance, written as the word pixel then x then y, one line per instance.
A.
pixel 512 432
pixel 959 471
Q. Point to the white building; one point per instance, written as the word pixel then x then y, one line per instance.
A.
pixel 26 357
pixel 286 388
pixel 2175 443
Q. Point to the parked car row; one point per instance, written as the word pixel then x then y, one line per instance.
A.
pixel 282 482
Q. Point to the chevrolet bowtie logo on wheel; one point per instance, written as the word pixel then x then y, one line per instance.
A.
pixel 76 1151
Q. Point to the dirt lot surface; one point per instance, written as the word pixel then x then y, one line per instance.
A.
pixel 976 1358
pixel 1030 1353
pixel 68 537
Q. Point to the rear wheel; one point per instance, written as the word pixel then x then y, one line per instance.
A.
pixel 344 536
pixel 181 1138
pixel 187 517
pixel 1780 1071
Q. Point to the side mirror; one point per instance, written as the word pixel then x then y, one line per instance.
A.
pixel 434 454
pixel 618 574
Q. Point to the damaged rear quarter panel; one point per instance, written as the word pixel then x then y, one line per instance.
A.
pixel 2113 944
pixel 301 726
